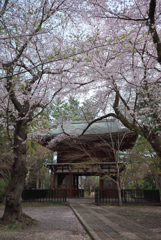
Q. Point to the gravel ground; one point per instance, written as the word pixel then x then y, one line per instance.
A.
pixel 147 216
pixel 60 223
pixel 55 223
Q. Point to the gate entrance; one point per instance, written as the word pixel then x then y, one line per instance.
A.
pixel 88 184
pixel 91 154
pixel 68 176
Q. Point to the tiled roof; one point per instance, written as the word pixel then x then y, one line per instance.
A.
pixel 101 127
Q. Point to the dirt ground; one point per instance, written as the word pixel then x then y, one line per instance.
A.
pixel 55 223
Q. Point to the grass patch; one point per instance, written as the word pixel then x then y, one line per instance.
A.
pixel 18 225
pixel 10 226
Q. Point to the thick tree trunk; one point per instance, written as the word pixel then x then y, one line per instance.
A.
pixel 155 142
pixel 13 209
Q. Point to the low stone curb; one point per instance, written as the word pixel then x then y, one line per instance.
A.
pixel 85 225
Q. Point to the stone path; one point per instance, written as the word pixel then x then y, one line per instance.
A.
pixel 105 225
pixel 101 222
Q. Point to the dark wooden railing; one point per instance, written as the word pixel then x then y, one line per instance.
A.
pixel 44 195
pixel 101 196
pixel 128 196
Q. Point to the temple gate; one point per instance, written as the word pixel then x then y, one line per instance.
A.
pixel 91 154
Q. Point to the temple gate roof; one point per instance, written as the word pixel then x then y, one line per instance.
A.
pixel 99 141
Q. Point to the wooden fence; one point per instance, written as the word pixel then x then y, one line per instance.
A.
pixel 128 196
pixel 101 196
pixel 44 195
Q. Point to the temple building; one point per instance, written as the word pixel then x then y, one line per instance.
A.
pixel 94 153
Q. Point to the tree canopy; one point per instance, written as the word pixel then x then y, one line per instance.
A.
pixel 126 68
pixel 106 52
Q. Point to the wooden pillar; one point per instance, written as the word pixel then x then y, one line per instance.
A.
pixel 101 182
pixel 77 181
pixel 76 193
pixel 54 179
pixel 70 184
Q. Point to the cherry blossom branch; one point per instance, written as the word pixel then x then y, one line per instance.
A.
pixel 152 28
pixel 99 119
pixel 4 8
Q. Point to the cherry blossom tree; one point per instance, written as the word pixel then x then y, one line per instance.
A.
pixel 37 56
pixel 126 68
pixel 45 54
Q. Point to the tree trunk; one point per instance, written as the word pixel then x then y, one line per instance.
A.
pixel 155 142
pixel 118 183
pixel 13 209
pixel 37 178
pixel 119 194
pixel 157 181
pixel 27 178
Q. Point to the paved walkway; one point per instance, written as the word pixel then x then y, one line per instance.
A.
pixel 101 224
